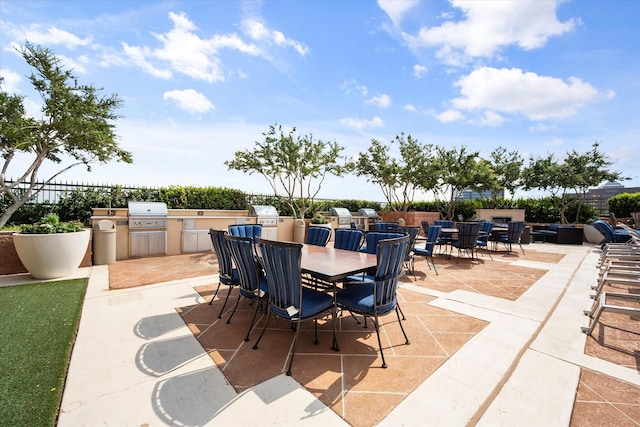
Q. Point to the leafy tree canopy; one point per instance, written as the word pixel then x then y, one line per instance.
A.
pixel 76 122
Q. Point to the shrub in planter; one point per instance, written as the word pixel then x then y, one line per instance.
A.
pixel 51 249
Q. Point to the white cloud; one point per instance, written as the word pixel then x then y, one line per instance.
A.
pixel 491 118
pixel 48 37
pixel 516 92
pixel 449 116
pixel 489 26
pixel 11 82
pixel 554 142
pixel 361 124
pixel 419 71
pixel 189 100
pixel 350 86
pixel 138 57
pixel 409 107
pixel 396 9
pixel 259 32
pixel 380 101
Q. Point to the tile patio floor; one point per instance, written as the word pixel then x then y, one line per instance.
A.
pixel 492 343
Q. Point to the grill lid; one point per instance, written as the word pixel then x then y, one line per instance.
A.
pixel 147 209
pixel 263 211
pixel 342 212
pixel 368 212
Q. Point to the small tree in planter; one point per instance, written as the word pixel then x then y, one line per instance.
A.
pixel 51 249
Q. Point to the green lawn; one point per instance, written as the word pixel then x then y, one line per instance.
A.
pixel 38 326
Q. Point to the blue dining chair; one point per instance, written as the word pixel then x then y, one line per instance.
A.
pixel 412 232
pixel 318 236
pixel 385 226
pixel 245 230
pixel 253 284
pixel 226 273
pixel 347 239
pixel 379 298
pixel 483 237
pixel 467 240
pixel 288 299
pixel 514 232
pixel 445 238
pixel 433 233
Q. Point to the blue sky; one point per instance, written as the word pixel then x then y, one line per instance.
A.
pixel 203 79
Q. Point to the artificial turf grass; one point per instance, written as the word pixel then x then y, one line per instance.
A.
pixel 38 326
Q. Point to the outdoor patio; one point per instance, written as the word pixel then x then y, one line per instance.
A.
pixel 493 342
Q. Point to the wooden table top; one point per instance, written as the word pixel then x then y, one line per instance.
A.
pixel 333 265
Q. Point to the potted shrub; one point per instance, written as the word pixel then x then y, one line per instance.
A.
pixel 319 219
pixel 51 249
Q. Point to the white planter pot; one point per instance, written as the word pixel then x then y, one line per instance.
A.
pixel 51 256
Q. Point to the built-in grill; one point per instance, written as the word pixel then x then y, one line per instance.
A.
pixel 148 223
pixel 370 217
pixel 340 218
pixel 267 216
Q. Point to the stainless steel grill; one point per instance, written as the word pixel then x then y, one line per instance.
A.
pixel 267 216
pixel 341 217
pixel 148 223
pixel 370 217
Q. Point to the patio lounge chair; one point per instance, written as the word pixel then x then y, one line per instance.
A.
pixel 610 234
pixel 605 304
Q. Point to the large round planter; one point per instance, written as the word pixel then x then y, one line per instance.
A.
pixel 51 256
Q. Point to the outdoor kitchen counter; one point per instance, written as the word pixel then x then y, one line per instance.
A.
pixel 181 222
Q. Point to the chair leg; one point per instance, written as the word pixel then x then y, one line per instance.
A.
pixel 400 308
pixel 434 266
pixel 215 293
pixel 253 320
pixel 406 339
pixel 335 345
pixel 225 302
pixel 266 322
pixel 376 323
pixel 293 348
pixel 235 307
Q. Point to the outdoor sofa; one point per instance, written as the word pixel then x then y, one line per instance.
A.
pixel 560 234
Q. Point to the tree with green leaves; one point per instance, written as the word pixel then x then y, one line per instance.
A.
pixel 294 164
pixel 398 179
pixel 504 174
pixel 76 123
pixel 569 179
pixel 457 170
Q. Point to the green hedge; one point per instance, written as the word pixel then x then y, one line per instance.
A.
pixel 77 205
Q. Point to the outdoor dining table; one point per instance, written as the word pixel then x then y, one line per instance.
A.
pixel 334 265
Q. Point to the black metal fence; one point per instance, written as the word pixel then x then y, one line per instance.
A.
pixel 53 191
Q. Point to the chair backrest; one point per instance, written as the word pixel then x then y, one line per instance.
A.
pixel 385 226
pixel 468 234
pixel 225 265
pixel 412 232
pixel 373 237
pixel 432 236
pixel 485 232
pixel 605 228
pixel 425 227
pixel 514 231
pixel 281 262
pixel 318 236
pixel 244 257
pixel 390 255
pixel 444 223
pixel 245 230
pixel 348 239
